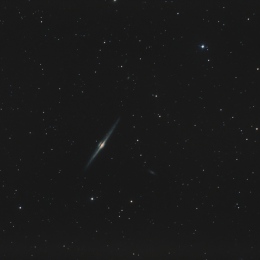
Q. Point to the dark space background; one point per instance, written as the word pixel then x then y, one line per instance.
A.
pixel 178 177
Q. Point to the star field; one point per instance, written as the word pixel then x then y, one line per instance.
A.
pixel 177 176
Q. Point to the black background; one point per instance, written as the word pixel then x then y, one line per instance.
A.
pixel 178 177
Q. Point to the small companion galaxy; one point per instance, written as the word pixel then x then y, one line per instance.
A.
pixel 129 130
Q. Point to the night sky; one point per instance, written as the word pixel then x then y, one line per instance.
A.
pixel 129 129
